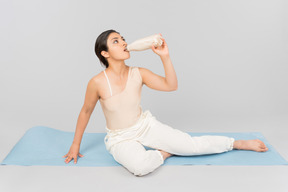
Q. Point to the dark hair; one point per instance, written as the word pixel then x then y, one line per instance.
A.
pixel 101 45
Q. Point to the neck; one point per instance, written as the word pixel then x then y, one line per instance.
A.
pixel 119 69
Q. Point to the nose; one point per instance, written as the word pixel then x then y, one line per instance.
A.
pixel 124 43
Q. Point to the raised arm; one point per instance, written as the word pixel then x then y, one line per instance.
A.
pixel 157 82
pixel 91 99
pixel 154 81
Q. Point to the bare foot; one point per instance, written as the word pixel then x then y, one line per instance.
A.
pixel 253 145
pixel 165 154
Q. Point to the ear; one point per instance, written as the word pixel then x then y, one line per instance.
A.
pixel 105 54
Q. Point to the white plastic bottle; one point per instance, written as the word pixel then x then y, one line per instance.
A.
pixel 145 43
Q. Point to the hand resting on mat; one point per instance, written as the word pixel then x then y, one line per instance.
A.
pixel 73 153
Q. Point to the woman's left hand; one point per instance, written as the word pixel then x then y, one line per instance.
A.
pixel 161 50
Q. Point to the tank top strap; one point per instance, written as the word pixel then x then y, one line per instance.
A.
pixel 108 82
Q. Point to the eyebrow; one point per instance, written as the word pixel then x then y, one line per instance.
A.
pixel 117 38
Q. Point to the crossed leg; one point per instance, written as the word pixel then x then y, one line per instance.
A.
pixel 168 141
pixel 165 138
pixel 172 141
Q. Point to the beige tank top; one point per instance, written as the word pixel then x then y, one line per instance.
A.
pixel 123 109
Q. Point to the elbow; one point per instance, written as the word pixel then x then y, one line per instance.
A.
pixel 174 88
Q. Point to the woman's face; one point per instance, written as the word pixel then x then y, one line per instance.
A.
pixel 117 47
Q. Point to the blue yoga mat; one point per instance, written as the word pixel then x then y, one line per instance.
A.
pixel 45 146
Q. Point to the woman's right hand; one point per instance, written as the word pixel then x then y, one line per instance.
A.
pixel 73 153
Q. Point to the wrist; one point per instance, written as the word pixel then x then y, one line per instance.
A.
pixel 76 143
pixel 166 56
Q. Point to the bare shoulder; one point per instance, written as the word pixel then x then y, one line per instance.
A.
pixel 97 79
pixel 92 93
pixel 143 71
pixel 95 83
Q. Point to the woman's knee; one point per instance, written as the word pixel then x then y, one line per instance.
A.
pixel 141 169
pixel 146 164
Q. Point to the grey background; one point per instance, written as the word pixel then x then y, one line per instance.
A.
pixel 231 62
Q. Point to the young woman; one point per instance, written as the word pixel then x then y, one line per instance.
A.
pixel 118 88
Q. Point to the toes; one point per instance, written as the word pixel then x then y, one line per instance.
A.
pixel 263 150
pixel 259 141
pixel 263 145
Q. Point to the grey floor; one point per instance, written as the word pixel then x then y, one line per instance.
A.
pixel 165 178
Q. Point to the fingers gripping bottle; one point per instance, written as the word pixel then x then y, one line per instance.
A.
pixel 145 43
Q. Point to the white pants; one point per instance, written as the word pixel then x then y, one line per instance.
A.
pixel 126 145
